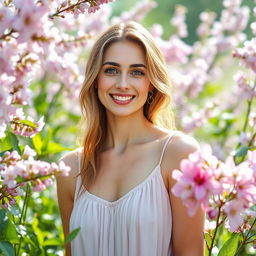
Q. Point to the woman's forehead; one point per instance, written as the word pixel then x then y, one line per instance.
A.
pixel 125 51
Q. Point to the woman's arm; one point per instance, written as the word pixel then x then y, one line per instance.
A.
pixel 187 232
pixel 65 192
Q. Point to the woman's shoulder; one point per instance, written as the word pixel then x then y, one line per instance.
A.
pixel 72 159
pixel 179 147
pixel 183 143
pixel 66 184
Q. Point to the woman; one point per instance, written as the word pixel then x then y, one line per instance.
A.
pixel 119 189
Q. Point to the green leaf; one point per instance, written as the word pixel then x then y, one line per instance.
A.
pixel 72 235
pixel 242 151
pixel 7 248
pixel 52 242
pixel 9 142
pixel 15 142
pixel 54 148
pixel 38 143
pixel 230 246
pixel 5 144
pixel 3 222
pixel 28 123
pixel 11 232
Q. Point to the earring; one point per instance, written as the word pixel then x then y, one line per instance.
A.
pixel 150 98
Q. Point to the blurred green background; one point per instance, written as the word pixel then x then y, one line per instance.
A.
pixel 165 9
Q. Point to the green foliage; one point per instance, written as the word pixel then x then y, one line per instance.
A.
pixel 72 235
pixel 230 246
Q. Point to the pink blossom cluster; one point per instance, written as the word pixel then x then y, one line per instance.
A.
pixel 196 66
pixel 198 118
pixel 17 170
pixel 81 6
pixel 179 21
pixel 218 187
pixel 246 87
pixel 247 54
pixel 137 13
pixel 28 127
pixel 32 46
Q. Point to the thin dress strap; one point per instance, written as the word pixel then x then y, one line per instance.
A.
pixel 165 145
pixel 78 179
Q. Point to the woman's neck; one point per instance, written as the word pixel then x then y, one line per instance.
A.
pixel 123 131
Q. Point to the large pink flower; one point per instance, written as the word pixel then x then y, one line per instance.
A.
pixel 195 181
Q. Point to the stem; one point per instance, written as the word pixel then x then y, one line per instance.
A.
pixel 245 238
pixel 247 114
pixel 249 107
pixel 28 180
pixel 252 139
pixel 70 7
pixel 215 231
pixel 6 35
pixel 23 214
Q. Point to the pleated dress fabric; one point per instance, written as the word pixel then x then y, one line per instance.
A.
pixel 137 224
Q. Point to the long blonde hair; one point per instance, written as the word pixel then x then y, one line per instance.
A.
pixel 94 114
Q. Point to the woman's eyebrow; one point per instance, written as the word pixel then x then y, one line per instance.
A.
pixel 118 65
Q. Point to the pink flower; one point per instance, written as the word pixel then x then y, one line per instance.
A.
pixel 25 129
pixel 103 1
pixel 234 210
pixel 9 176
pixel 62 168
pixel 12 201
pixel 5 18
pixel 93 9
pixel 247 54
pixel 175 50
pixel 29 20
pixel 83 7
pixel 178 21
pixel 209 225
pixel 28 152
pixel 244 183
pixel 38 185
pixel 48 182
pixel 8 51
pixel 207 19
pixel 196 179
pixel 252 161
pixel 44 168
pixel 156 30
pixel 212 213
pixel 4 204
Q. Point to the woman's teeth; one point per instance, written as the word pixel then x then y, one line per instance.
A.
pixel 122 98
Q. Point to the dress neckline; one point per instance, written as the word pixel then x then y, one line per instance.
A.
pixel 117 201
pixel 155 170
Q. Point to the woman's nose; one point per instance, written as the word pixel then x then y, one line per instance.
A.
pixel 123 83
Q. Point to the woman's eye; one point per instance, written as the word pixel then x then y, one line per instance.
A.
pixel 137 73
pixel 111 71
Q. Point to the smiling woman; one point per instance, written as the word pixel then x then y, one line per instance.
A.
pixel 123 80
pixel 119 190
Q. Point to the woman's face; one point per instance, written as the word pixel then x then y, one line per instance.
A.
pixel 123 82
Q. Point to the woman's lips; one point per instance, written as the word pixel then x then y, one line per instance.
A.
pixel 122 99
